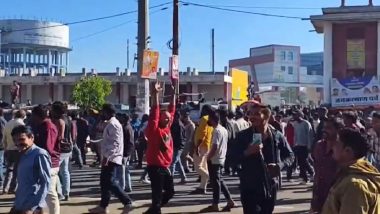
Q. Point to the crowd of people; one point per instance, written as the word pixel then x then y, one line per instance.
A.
pixel 338 151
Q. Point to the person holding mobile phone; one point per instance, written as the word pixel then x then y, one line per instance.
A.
pixel 261 151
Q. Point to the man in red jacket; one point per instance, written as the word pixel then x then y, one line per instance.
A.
pixel 159 153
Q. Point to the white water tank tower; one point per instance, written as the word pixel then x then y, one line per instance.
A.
pixel 33 47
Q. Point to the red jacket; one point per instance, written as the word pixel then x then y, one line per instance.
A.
pixel 159 151
pixel 289 134
pixel 46 137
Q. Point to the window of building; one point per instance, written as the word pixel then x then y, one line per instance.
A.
pixel 283 55
pixel 290 56
pixel 283 68
pixel 290 70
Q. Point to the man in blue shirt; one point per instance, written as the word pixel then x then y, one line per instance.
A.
pixel 33 173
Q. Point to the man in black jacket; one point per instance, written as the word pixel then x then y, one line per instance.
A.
pixel 129 139
pixel 260 150
pixel 179 140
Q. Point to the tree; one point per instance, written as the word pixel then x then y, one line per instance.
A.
pixel 90 92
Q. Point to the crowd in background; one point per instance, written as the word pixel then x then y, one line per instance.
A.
pixel 337 150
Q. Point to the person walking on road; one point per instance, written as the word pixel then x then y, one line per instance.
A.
pixel 60 119
pixel 32 190
pixel 216 159
pixel 261 158
pixel 12 154
pixel 2 148
pixel 112 149
pixel 189 136
pixel 179 140
pixel 159 153
pixel 46 137
pixel 303 140
pixel 128 133
pixel 202 143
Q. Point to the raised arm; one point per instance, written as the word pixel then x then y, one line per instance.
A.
pixel 154 115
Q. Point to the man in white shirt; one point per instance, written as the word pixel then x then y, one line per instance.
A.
pixel 11 152
pixel 112 149
pixel 241 123
pixel 216 158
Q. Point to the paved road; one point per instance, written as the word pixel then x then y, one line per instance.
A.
pixel 293 198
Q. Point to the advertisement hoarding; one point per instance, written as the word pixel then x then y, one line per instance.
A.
pixel 354 72
pixel 239 86
pixel 355 91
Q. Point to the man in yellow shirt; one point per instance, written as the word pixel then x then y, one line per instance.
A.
pixel 202 144
pixel 356 188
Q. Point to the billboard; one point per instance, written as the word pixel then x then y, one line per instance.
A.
pixel 355 91
pixel 354 75
pixel 239 86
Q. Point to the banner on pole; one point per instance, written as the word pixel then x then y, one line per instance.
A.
pixel 174 67
pixel 150 64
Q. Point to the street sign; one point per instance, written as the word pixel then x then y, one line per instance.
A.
pixel 174 67
pixel 150 64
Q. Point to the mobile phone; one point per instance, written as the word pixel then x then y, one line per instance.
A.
pixel 257 138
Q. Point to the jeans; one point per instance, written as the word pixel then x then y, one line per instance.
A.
pixel 291 168
pixel 217 183
pixel 11 158
pixel 302 155
pixel 109 184
pixel 64 174
pixel 253 203
pixel 52 199
pixel 77 155
pixel 177 164
pixel 1 168
pixel 140 151
pixel 124 176
pixel 143 176
pixel 200 163
pixel 185 154
pixel 161 180
pixel 82 148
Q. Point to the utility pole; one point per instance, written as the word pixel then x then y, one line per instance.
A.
pixel 175 50
pixel 213 50
pixel 142 43
pixel 128 54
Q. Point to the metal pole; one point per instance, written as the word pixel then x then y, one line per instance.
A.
pixel 143 34
pixel 1 55
pixel 213 50
pixel 175 50
pixel 128 54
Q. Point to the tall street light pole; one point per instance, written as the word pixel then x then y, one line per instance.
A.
pixel 142 97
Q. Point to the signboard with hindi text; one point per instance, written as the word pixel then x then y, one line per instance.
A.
pixel 355 91
pixel 150 64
